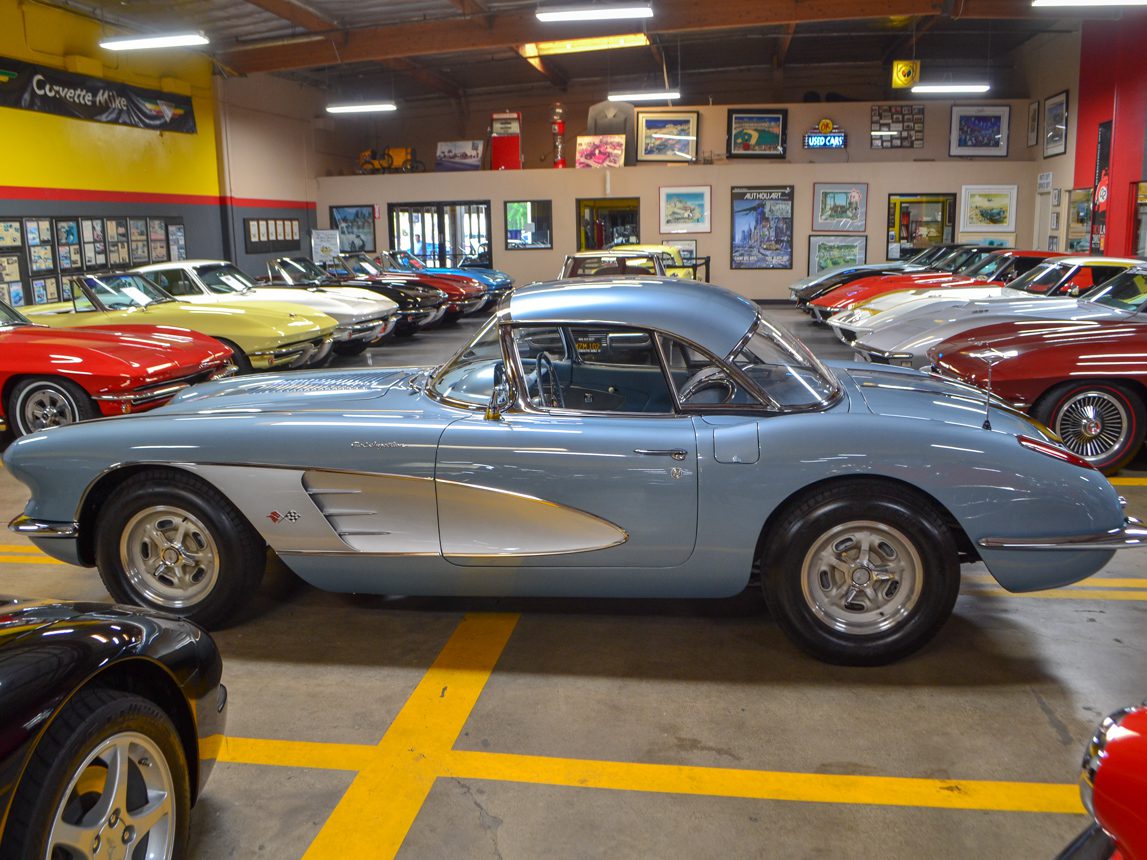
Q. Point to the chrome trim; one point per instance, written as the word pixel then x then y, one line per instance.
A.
pixel 1094 755
pixel 1126 537
pixel 25 525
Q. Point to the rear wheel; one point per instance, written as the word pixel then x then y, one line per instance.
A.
pixel 41 402
pixel 1103 422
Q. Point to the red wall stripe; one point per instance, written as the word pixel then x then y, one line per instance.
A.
pixel 75 195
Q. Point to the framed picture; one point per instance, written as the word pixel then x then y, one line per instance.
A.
pixel 529 224
pixel 157 231
pixel 687 209
pixel 762 235
pixel 137 230
pixel 10 234
pixel 1053 243
pixel 1054 221
pixel 757 133
pixel 992 240
pixel 355 225
pixel 824 252
pixel 897 126
pixel 840 207
pixel 688 247
pixel 68 232
pixel 667 136
pixel 600 150
pixel 988 209
pixel 458 155
pixel 979 131
pixel 138 250
pixel 1033 123
pixel 1056 197
pixel 1055 125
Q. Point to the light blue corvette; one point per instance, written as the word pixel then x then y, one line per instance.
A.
pixel 637 437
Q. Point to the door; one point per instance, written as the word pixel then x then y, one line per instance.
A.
pixel 441 234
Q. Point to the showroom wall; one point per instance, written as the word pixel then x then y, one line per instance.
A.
pixel 60 166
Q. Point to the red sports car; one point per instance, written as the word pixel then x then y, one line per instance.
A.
pixel 50 377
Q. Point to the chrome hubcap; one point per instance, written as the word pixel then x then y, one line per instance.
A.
pixel 1093 425
pixel 169 556
pixel 862 577
pixel 47 408
pixel 120 804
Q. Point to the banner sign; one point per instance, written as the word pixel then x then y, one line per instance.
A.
pixel 27 86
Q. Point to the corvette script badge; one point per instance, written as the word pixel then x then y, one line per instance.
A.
pixel 289 516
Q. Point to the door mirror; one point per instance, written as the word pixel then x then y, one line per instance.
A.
pixel 500 401
pixel 1073 292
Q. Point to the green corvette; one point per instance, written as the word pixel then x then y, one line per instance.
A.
pixel 261 337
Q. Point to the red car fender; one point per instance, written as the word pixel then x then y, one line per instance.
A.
pixel 1120 790
pixel 850 295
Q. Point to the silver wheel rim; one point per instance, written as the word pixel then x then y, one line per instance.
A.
pixel 1093 424
pixel 120 803
pixel 169 556
pixel 862 578
pixel 46 407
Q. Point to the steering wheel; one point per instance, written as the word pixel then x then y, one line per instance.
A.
pixel 708 385
pixel 549 388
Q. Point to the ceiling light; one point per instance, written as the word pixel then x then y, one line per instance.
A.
pixel 139 43
pixel 595 12
pixel 652 96
pixel 1089 3
pixel 362 107
pixel 580 46
pixel 951 88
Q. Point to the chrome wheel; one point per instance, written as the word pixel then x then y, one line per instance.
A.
pixel 1093 424
pixel 46 407
pixel 169 556
pixel 862 577
pixel 120 803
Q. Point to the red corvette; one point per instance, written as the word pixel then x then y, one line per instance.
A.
pixel 994 267
pixel 50 377
pixel 1114 787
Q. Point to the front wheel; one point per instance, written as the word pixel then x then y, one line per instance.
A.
pixel 242 363
pixel 1103 422
pixel 169 541
pixel 861 575
pixel 41 402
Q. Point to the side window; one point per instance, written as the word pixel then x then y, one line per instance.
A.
pixel 699 379
pixel 1083 278
pixel 80 301
pixel 179 283
pixel 1102 274
pixel 541 352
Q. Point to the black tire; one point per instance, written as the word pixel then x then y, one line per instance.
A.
pixel 220 557
pixel 242 363
pixel 39 402
pixel 352 347
pixel 893 617
pixel 65 777
pixel 1103 422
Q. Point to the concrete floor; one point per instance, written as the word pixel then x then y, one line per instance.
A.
pixel 365 726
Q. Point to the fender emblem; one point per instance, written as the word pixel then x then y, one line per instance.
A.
pixel 289 516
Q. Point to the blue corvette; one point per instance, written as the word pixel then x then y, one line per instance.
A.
pixel 495 280
pixel 618 438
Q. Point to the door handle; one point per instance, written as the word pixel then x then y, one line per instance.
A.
pixel 675 453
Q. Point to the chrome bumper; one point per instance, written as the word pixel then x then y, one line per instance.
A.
pixel 1127 537
pixel 433 316
pixel 368 330
pixel 136 398
pixel 880 356
pixel 25 525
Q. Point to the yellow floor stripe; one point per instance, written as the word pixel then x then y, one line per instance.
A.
pixel 20 547
pixel 768 785
pixel 1093 582
pixel 322 756
pixel 1129 482
pixel 378 809
pixel 30 559
pixel 1065 594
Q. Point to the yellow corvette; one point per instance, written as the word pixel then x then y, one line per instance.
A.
pixel 671 258
pixel 260 336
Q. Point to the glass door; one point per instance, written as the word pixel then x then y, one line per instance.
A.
pixel 917 221
pixel 441 234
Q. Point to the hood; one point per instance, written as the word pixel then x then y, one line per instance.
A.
pixel 324 389
pixel 343 308
pixel 136 348
pixel 907 393
pixel 1015 338
pixel 867 288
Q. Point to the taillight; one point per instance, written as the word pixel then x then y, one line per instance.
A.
pixel 1050 450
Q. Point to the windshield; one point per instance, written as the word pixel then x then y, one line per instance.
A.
pixel 360 264
pixel 990 266
pixel 964 260
pixel 1042 279
pixel 470 375
pixel 125 290
pixel 1127 291
pixel 226 279
pixel 10 316
pixel 300 268
pixel 784 369
pixel 408 260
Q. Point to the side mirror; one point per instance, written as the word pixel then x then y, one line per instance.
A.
pixel 1073 292
pixel 500 400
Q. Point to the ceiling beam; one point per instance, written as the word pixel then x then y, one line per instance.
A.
pixel 427 77
pixel 783 48
pixel 470 7
pixel 906 46
pixel 297 14
pixel 509 29
pixel 545 68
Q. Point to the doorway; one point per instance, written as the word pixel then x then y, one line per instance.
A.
pixel 917 221
pixel 603 223
pixel 442 233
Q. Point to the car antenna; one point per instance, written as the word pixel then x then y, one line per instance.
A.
pixel 987 425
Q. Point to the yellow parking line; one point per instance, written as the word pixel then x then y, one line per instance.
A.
pixel 1065 594
pixel 1093 582
pixel 1129 482
pixel 19 547
pixel 30 559
pixel 767 785
pixel 322 756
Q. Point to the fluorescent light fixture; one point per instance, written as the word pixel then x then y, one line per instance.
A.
pixel 595 12
pixel 141 43
pixel 1089 4
pixel 652 96
pixel 951 88
pixel 581 46
pixel 362 107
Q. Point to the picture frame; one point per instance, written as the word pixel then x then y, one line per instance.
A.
pixel 667 136
pixel 1033 123
pixel 993 240
pixel 1055 125
pixel 979 131
pixel 897 126
pixel 687 247
pixel 756 132
pixel 988 208
pixel 10 233
pixel 686 209
pixel 355 224
pixel 529 225
pixel 824 252
pixel 1054 223
pixel 840 207
pixel 1056 197
pixel 762 227
pixel 599 151
pixel 1053 244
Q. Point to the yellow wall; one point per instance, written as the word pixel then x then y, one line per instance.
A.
pixel 46 151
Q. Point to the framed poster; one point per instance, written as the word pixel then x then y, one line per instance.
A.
pixel 1056 197
pixel 138 251
pixel 458 155
pixel 897 126
pixel 824 252
pixel 1054 221
pixel 979 131
pixel 1055 125
pixel 356 227
pixel 16 294
pixel 840 207
pixel 156 230
pixel 686 209
pixel 41 258
pixel 159 250
pixel 993 240
pixel 762 227
pixel 67 231
pixel 757 133
pixel 687 247
pixel 667 136
pixel 137 230
pixel 988 209
pixel 10 234
pixel 1033 123
pixel 261 224
pixel 1053 243
pixel 599 150
pixel 177 241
